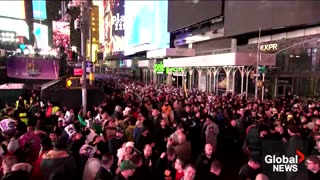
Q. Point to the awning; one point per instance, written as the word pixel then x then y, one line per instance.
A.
pixel 227 59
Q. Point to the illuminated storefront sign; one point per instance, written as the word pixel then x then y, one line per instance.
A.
pixel 39 9
pixel 160 69
pixel 269 47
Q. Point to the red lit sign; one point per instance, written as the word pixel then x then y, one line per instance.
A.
pixel 77 72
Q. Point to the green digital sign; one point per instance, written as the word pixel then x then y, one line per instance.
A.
pixel 160 69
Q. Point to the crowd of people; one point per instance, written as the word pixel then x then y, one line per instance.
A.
pixel 158 132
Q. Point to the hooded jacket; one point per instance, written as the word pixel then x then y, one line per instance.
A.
pixel 58 165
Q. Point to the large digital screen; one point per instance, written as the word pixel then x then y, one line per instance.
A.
pixel 40 32
pixel 114 27
pixel 13 9
pixel 248 16
pixel 39 9
pixel 146 25
pixel 19 26
pixel 32 68
pixel 189 12
pixel 61 34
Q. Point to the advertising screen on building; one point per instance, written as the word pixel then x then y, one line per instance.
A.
pixel 13 9
pixel 185 13
pixel 32 68
pixel 61 34
pixel 18 26
pixel 39 9
pixel 40 32
pixel 146 26
pixel 114 27
pixel 248 16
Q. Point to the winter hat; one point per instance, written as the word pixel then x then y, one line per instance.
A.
pixel 130 144
pixel 13 145
pixel 126 165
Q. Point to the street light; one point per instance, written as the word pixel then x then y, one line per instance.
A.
pixel 79 25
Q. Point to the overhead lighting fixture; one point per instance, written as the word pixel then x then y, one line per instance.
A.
pixel 297 56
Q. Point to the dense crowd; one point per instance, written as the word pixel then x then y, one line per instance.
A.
pixel 158 132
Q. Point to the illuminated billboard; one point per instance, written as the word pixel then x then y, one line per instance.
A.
pixel 39 9
pixel 18 26
pixel 146 26
pixel 13 9
pixel 40 32
pixel 61 34
pixel 114 27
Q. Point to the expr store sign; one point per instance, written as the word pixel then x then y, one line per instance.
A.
pixel 160 69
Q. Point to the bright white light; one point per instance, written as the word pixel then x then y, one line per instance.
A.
pixel 8 34
pixel 26 52
pixel 3 34
pixel 31 51
pixel 4 39
pixel 18 50
pixel 17 40
pixel 129 63
pixel 12 35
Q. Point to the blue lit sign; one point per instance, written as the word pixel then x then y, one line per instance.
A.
pixel 39 9
pixel 146 24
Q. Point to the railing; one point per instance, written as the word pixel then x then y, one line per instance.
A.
pixel 216 51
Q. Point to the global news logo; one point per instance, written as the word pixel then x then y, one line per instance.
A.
pixel 284 163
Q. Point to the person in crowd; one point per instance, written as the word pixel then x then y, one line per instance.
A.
pixel 173 139
pixel 250 170
pixel 46 146
pixel 162 134
pixel 179 166
pixel 58 163
pixel 164 166
pixel 313 166
pixel 189 172
pixel 105 172
pixel 91 168
pixel 215 171
pixel 168 120
pixel 262 177
pixel 183 148
pixel 117 141
pixel 126 170
pixel 144 138
pixel 204 161
pixel 13 170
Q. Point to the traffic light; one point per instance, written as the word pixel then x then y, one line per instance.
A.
pixel 73 82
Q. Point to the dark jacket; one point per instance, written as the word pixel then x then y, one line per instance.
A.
pixel 161 166
pixel 14 175
pixel 58 165
pixel 104 174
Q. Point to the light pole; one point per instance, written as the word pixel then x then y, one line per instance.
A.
pixel 79 24
pixel 257 68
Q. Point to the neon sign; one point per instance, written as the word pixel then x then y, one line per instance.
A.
pixel 160 69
